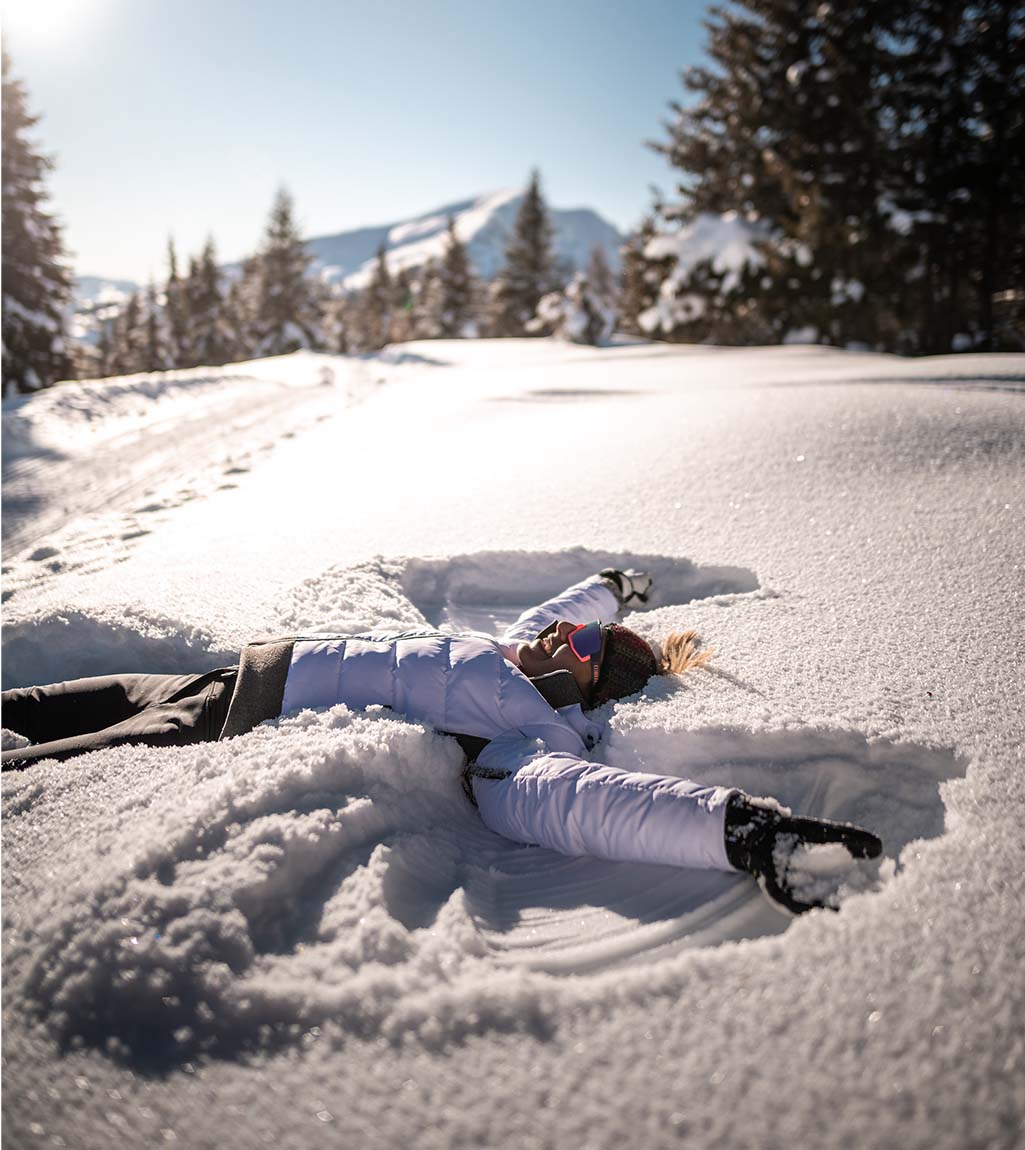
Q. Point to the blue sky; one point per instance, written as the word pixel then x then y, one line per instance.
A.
pixel 184 116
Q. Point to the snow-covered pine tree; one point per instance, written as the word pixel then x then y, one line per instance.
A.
pixel 999 105
pixel 578 313
pixel 36 279
pixel 105 349
pixel 128 350
pixel 528 272
pixel 403 324
pixel 375 306
pixel 335 318
pixel 212 336
pixel 176 307
pixel 241 307
pixel 450 290
pixel 190 296
pixel 287 316
pixel 639 277
pixel 710 293
pixel 783 132
pixel 601 277
pixel 956 206
pixel 156 350
pixel 430 301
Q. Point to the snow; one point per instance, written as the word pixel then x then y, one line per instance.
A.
pixel 727 241
pixel 308 928
pixel 30 316
pixel 845 290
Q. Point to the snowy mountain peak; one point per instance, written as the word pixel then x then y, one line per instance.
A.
pixel 483 224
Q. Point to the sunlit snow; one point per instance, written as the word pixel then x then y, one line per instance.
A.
pixel 306 933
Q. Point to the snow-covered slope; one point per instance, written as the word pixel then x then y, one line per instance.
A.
pixel 306 933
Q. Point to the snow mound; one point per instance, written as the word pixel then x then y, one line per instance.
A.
pixel 73 644
pixel 488 590
pixel 273 898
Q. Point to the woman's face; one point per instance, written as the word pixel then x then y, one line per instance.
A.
pixel 551 651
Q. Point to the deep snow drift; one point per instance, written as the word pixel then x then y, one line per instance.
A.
pixel 308 927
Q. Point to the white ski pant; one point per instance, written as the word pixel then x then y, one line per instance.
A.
pixel 562 802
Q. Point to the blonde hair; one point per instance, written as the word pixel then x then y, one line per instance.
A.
pixel 680 653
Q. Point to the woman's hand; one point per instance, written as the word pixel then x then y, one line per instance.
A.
pixel 632 586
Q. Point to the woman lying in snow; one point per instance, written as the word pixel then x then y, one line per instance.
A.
pixel 516 704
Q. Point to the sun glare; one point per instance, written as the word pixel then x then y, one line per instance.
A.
pixel 43 20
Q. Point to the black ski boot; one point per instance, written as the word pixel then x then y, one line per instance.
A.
pixel 762 839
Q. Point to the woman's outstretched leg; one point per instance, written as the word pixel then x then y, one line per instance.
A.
pixel 62 720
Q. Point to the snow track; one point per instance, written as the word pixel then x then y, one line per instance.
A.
pixel 136 457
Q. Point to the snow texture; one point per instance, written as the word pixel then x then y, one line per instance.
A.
pixel 306 933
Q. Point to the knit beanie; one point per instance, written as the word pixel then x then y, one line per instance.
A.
pixel 628 663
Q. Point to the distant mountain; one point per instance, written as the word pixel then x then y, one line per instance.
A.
pixel 483 224
pixel 93 300
pixel 99 291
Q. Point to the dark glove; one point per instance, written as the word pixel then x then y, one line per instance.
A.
pixel 631 586
pixel 762 840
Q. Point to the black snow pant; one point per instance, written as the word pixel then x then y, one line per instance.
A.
pixel 67 719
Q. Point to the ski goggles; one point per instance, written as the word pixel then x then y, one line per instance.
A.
pixel 584 641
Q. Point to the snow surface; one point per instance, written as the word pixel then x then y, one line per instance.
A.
pixel 306 935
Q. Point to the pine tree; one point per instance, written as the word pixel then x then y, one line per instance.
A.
pixel 375 306
pixel 958 198
pixel 210 330
pixel 878 146
pixel 600 276
pixel 128 350
pixel 176 305
pixel 242 306
pixel 430 301
pixel 640 277
pixel 456 287
pixel 105 349
pixel 403 308
pixel 287 316
pixel 335 320
pixel 156 352
pixel 578 313
pixel 528 272
pixel 36 279
pixel 785 132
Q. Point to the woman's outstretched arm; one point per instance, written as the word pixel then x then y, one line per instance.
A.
pixel 553 799
pixel 592 598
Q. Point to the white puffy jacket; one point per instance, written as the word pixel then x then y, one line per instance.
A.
pixel 533 782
